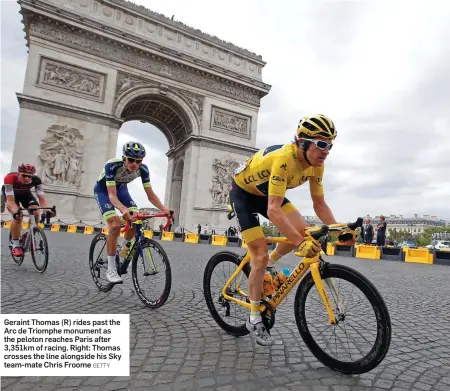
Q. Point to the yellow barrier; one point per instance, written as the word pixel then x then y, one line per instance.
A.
pixel 368 252
pixel 41 225
pixel 25 224
pixel 7 224
pixel 416 255
pixel 331 250
pixel 88 230
pixel 148 234
pixel 105 230
pixel 191 238
pixel 55 228
pixel 219 240
pixel 167 236
pixel 72 228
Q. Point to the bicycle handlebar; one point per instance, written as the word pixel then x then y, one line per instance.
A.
pixel 142 216
pixel 31 210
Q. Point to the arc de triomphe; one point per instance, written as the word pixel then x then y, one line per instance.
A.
pixel 92 65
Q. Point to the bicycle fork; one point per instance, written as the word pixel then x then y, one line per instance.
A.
pixel 315 272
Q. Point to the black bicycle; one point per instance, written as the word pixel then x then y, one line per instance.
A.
pixel 38 247
pixel 150 265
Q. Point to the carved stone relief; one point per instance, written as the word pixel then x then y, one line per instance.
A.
pixel 230 122
pixel 195 101
pixel 70 79
pixel 125 82
pixel 142 61
pixel 61 155
pixel 221 181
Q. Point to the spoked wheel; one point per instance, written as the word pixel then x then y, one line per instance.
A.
pixel 361 338
pixel 17 260
pixel 152 275
pixel 98 262
pixel 39 250
pixel 230 316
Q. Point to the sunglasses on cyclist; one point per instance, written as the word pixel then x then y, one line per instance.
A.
pixel 322 145
pixel 131 160
pixel 27 176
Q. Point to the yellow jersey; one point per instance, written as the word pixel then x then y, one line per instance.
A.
pixel 275 169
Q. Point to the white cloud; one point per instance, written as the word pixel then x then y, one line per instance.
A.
pixel 378 69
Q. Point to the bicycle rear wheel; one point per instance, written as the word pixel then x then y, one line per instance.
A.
pixel 152 275
pixel 98 262
pixel 363 348
pixel 230 316
pixel 40 253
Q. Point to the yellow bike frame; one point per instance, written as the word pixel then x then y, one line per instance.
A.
pixel 292 280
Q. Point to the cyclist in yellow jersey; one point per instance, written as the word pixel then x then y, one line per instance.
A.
pixel 259 186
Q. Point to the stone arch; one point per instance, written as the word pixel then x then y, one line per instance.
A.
pixel 204 97
pixel 131 105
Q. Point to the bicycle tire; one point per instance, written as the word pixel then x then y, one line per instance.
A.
pixel 17 260
pixel 94 265
pixel 384 330
pixel 160 301
pixel 33 255
pixel 216 259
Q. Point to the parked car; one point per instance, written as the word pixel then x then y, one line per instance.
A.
pixel 408 243
pixel 439 245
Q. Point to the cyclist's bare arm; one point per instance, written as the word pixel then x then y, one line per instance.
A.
pixel 11 204
pixel 279 219
pixel 153 198
pixel 41 196
pixel 322 209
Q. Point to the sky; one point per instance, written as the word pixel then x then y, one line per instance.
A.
pixel 379 69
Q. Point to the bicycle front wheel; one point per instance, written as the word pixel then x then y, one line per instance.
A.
pixel 152 275
pixel 39 250
pixel 360 340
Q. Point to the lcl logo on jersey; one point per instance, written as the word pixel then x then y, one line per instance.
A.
pixel 319 181
pixel 303 179
pixel 254 178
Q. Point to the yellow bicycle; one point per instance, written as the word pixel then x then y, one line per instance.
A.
pixel 335 292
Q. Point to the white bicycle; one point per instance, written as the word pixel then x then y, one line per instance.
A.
pixel 38 246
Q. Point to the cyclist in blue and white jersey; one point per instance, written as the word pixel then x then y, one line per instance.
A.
pixel 111 192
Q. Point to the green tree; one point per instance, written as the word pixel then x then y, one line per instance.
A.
pixel 424 238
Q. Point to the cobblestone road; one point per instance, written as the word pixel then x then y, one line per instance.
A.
pixel 180 347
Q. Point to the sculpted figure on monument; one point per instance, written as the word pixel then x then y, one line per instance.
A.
pixel 61 156
pixel 222 175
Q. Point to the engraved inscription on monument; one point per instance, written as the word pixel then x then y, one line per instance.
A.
pixel 61 155
pixel 221 181
pixel 230 122
pixel 70 79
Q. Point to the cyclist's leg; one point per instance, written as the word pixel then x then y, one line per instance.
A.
pixel 113 220
pixel 16 228
pixel 243 205
pixel 124 197
pixel 28 201
pixel 297 221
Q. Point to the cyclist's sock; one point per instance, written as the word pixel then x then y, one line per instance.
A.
pixel 255 314
pixel 15 242
pixel 274 257
pixel 111 262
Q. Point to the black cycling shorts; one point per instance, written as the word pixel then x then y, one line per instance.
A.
pixel 246 206
pixel 26 199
